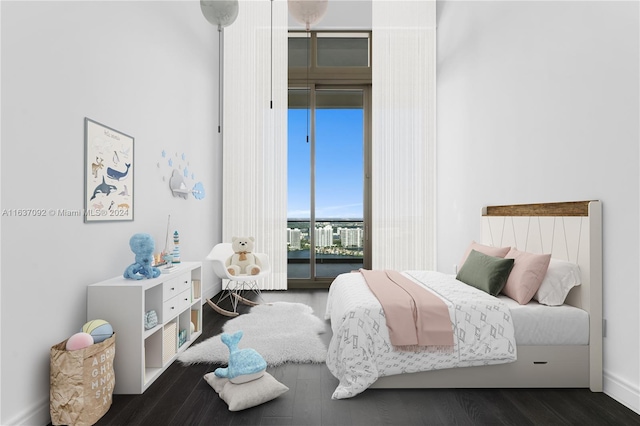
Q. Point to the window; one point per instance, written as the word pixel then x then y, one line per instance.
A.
pixel 328 139
pixel 322 57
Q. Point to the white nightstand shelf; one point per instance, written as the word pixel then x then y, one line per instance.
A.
pixel 143 355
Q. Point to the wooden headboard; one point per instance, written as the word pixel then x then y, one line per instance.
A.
pixel 570 231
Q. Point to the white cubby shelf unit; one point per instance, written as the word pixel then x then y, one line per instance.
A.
pixel 142 355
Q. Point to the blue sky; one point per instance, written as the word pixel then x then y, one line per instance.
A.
pixel 339 164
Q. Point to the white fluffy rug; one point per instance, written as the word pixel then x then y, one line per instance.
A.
pixel 280 332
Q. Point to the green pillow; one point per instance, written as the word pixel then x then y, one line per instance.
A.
pixel 487 273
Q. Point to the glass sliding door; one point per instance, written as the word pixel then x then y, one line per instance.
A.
pixel 327 185
pixel 339 182
pixel 298 195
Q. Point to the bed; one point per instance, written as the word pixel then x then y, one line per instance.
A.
pixel 555 346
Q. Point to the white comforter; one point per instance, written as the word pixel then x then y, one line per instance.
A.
pixel 360 350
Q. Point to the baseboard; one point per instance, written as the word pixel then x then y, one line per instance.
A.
pixel 37 414
pixel 622 391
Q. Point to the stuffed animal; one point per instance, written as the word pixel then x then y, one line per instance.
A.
pixel 242 261
pixel 142 245
pixel 244 364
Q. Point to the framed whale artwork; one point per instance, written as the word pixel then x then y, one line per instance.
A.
pixel 108 174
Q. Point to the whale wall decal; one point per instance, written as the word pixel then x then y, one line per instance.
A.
pixel 103 188
pixel 118 175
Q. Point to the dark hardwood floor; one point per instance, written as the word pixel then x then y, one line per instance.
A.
pixel 181 397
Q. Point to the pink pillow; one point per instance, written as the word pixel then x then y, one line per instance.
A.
pixel 488 250
pixel 526 276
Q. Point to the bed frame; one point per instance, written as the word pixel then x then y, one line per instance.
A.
pixel 569 231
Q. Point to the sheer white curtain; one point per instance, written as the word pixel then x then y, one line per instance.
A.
pixel 254 185
pixel 403 135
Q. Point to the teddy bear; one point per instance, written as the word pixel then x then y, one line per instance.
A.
pixel 142 245
pixel 242 261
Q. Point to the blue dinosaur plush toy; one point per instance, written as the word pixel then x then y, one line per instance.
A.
pixel 142 245
pixel 244 364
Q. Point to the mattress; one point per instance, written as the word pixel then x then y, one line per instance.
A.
pixel 360 351
pixel 539 325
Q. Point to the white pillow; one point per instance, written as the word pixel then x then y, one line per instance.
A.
pixel 217 383
pixel 246 395
pixel 560 278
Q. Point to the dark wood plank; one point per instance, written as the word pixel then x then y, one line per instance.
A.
pixel 488 406
pixel 215 411
pixel 170 395
pixel 363 409
pixel 449 407
pixel 282 406
pixel 333 410
pixel 307 406
pixel 529 403
pixel 571 208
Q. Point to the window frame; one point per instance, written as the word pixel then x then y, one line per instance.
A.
pixel 328 75
pixel 315 78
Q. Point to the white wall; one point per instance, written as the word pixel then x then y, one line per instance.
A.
pixel 538 102
pixel 148 69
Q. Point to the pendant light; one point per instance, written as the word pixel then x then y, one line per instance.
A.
pixel 308 12
pixel 220 13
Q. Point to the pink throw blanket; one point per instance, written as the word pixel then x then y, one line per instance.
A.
pixel 414 315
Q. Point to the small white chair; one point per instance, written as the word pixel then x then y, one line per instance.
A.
pixel 236 283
